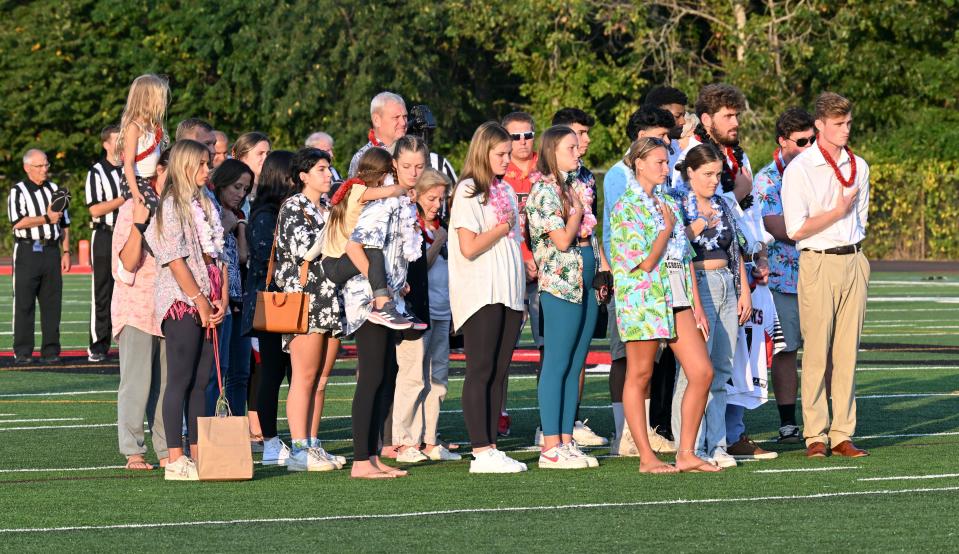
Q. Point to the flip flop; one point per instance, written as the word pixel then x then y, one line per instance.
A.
pixel 698 468
pixel 374 475
pixel 661 469
pixel 138 464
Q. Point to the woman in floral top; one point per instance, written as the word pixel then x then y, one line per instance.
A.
pixel 561 232
pixel 299 240
pixel 656 302
pixel 190 296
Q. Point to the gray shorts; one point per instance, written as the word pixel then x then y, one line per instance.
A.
pixel 617 350
pixel 787 308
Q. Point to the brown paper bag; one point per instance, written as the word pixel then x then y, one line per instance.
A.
pixel 223 441
pixel 224 445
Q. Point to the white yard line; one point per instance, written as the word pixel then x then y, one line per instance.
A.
pixel 942 283
pixel 913 299
pixel 42 427
pixel 41 420
pixel 64 393
pixel 910 477
pixel 472 511
pixel 42 470
pixel 806 469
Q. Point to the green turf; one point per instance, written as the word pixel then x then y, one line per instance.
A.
pixel 908 385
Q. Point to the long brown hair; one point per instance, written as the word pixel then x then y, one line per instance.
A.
pixel 546 159
pixel 374 164
pixel 246 142
pixel 488 136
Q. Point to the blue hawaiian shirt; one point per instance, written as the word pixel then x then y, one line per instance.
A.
pixel 783 257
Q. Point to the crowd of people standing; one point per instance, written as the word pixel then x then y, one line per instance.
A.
pixel 707 278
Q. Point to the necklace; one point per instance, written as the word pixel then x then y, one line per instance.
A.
pixel 373 140
pixel 428 233
pixel 835 168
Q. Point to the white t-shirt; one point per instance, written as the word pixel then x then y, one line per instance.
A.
pixel 759 339
pixel 810 187
pixel 493 277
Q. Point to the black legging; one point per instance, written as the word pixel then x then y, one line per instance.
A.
pixel 617 380
pixel 340 270
pixel 375 383
pixel 274 366
pixel 489 337
pixel 186 350
pixel 661 387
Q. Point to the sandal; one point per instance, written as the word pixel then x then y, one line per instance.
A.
pixel 702 467
pixel 137 463
pixel 374 475
pixel 660 469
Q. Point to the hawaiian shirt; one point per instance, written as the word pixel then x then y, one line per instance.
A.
pixel 783 257
pixel 644 301
pixel 560 272
pixel 522 185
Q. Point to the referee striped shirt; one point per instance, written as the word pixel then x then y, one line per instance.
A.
pixel 103 185
pixel 29 200
pixel 441 164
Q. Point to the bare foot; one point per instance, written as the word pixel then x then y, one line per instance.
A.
pixel 369 473
pixel 658 467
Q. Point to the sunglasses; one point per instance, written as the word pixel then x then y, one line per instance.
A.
pixel 803 141
pixel 518 136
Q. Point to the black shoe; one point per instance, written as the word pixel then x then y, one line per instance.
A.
pixel 24 360
pixel 789 434
pixel 418 325
pixel 49 359
pixel 97 358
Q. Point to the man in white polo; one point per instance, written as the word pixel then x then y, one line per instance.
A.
pixel 825 197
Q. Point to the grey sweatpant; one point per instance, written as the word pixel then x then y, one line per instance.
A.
pixel 142 381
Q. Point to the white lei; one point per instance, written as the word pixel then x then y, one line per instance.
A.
pixel 676 248
pixel 410 230
pixel 210 233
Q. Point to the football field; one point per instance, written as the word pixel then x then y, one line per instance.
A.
pixel 62 485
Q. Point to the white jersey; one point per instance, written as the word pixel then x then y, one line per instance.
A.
pixel 759 339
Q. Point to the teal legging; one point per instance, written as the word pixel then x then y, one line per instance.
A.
pixel 566 335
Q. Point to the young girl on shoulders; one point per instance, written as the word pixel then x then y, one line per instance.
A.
pixel 142 135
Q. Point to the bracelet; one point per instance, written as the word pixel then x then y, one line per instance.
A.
pixel 241 222
pixel 194 297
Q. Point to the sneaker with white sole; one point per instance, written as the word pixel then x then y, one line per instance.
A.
pixel 411 455
pixel 418 324
pixel 560 457
pixel 275 452
pixel 574 450
pixel 184 469
pixel 586 437
pixel 308 460
pixel 538 437
pixel 659 443
pixel 323 454
pixel 721 458
pixel 747 449
pixel 492 460
pixel 440 453
pixel 624 446
pixel 388 316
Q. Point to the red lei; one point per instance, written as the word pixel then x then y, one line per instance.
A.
pixel 373 140
pixel 835 168
pixel 427 235
pixel 733 165
pixel 778 158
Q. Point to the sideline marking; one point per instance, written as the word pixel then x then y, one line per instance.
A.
pixel 40 470
pixel 910 477
pixel 470 511
pixel 806 469
pixel 65 393
pixel 83 426
pixel 41 420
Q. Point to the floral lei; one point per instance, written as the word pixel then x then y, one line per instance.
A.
pixel 676 248
pixel 692 212
pixel 499 197
pixel 409 228
pixel 588 222
pixel 210 232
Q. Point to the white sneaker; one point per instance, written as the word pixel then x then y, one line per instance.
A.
pixel 722 459
pixel 184 469
pixel 559 457
pixel 275 452
pixel 323 454
pixel 586 437
pixel 308 460
pixel 411 455
pixel 538 437
pixel 574 450
pixel 659 443
pixel 492 460
pixel 625 445
pixel 440 453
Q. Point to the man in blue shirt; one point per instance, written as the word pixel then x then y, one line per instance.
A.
pixel 673 101
pixel 648 121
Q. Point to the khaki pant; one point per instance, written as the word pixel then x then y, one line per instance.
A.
pixel 832 308
pixel 421 386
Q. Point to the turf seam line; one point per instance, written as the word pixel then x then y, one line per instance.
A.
pixel 471 511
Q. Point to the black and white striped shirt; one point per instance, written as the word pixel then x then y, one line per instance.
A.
pixel 29 200
pixel 441 164
pixel 103 185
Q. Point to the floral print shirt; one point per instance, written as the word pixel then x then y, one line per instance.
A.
pixel 783 257
pixel 644 301
pixel 389 225
pixel 560 272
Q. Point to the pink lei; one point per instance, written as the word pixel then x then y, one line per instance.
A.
pixel 500 198
pixel 585 196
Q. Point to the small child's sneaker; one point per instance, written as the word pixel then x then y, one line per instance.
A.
pixel 388 316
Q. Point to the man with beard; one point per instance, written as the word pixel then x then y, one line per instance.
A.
pixel 673 101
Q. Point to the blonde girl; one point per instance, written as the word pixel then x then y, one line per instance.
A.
pixel 142 134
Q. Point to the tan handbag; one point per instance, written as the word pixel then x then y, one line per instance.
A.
pixel 223 441
pixel 282 312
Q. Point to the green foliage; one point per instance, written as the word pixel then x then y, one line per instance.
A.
pixel 289 68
